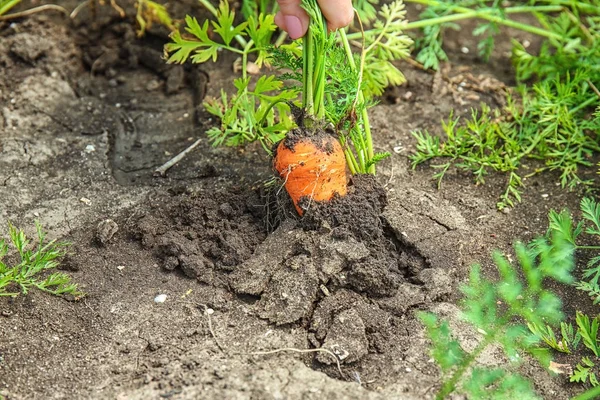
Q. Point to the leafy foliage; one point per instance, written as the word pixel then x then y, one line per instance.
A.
pixel 33 261
pixel 568 341
pixel 548 125
pixel 250 114
pixel 149 12
pixel 551 121
pixel 6 5
pixel 500 311
pixel 584 372
pixel 385 44
pixel 562 223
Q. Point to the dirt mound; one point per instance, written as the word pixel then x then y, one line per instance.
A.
pixel 322 271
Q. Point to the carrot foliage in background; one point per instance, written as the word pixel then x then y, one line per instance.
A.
pixel 500 311
pixel 551 121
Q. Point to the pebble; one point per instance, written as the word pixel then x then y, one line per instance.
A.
pixel 161 298
pixel 90 148
pixel 465 50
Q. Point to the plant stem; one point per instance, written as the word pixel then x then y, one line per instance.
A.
pixel 486 13
pixel 307 73
pixel 450 385
pixel 364 113
pixel 591 394
pixel 587 247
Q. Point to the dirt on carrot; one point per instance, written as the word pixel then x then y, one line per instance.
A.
pixel 313 167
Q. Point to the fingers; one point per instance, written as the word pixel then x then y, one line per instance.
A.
pixel 339 13
pixel 292 18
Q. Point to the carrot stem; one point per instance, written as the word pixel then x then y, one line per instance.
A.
pixel 368 139
pixel 307 73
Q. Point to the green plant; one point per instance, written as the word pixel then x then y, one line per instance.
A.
pixel 550 124
pixel 32 261
pixel 6 5
pixel 149 12
pixel 563 222
pixel 552 121
pixel 335 84
pixel 500 311
pixel 560 21
pixel 587 329
pixel 569 339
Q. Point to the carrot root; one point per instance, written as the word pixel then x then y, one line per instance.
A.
pixel 313 169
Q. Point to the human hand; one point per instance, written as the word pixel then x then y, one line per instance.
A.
pixel 293 19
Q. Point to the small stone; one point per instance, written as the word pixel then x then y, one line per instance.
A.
pixel 120 267
pixel 161 298
pixel 464 50
pixel 210 311
pixel 106 230
pixel 90 148
pixel 153 85
pixel 85 201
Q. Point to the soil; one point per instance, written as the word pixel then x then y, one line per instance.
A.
pixel 88 111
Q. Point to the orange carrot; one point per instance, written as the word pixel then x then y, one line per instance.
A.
pixel 313 168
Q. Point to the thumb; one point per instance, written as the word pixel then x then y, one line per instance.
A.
pixel 292 18
pixel 339 13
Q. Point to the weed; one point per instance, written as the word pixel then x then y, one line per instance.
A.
pixel 549 125
pixel 500 311
pixel 587 328
pixel 33 260
pixel 552 121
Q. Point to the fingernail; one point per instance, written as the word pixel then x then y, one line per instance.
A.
pixel 293 26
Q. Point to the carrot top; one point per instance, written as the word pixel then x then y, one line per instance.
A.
pixel 335 84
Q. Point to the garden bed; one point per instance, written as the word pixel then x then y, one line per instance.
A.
pixel 89 111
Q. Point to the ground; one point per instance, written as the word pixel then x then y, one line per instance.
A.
pixel 88 111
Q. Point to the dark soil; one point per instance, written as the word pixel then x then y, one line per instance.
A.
pixel 88 111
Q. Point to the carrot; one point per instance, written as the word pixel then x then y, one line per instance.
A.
pixel 313 168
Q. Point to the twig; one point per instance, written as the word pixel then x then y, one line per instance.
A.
pixel 292 349
pixel 34 10
pixel 210 327
pixel 594 88
pixel 162 170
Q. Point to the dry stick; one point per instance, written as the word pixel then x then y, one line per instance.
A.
pixel 34 10
pixel 293 349
pixel 210 327
pixel 594 88
pixel 75 11
pixel 259 353
pixel 162 170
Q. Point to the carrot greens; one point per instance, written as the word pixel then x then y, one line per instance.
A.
pixel 320 74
